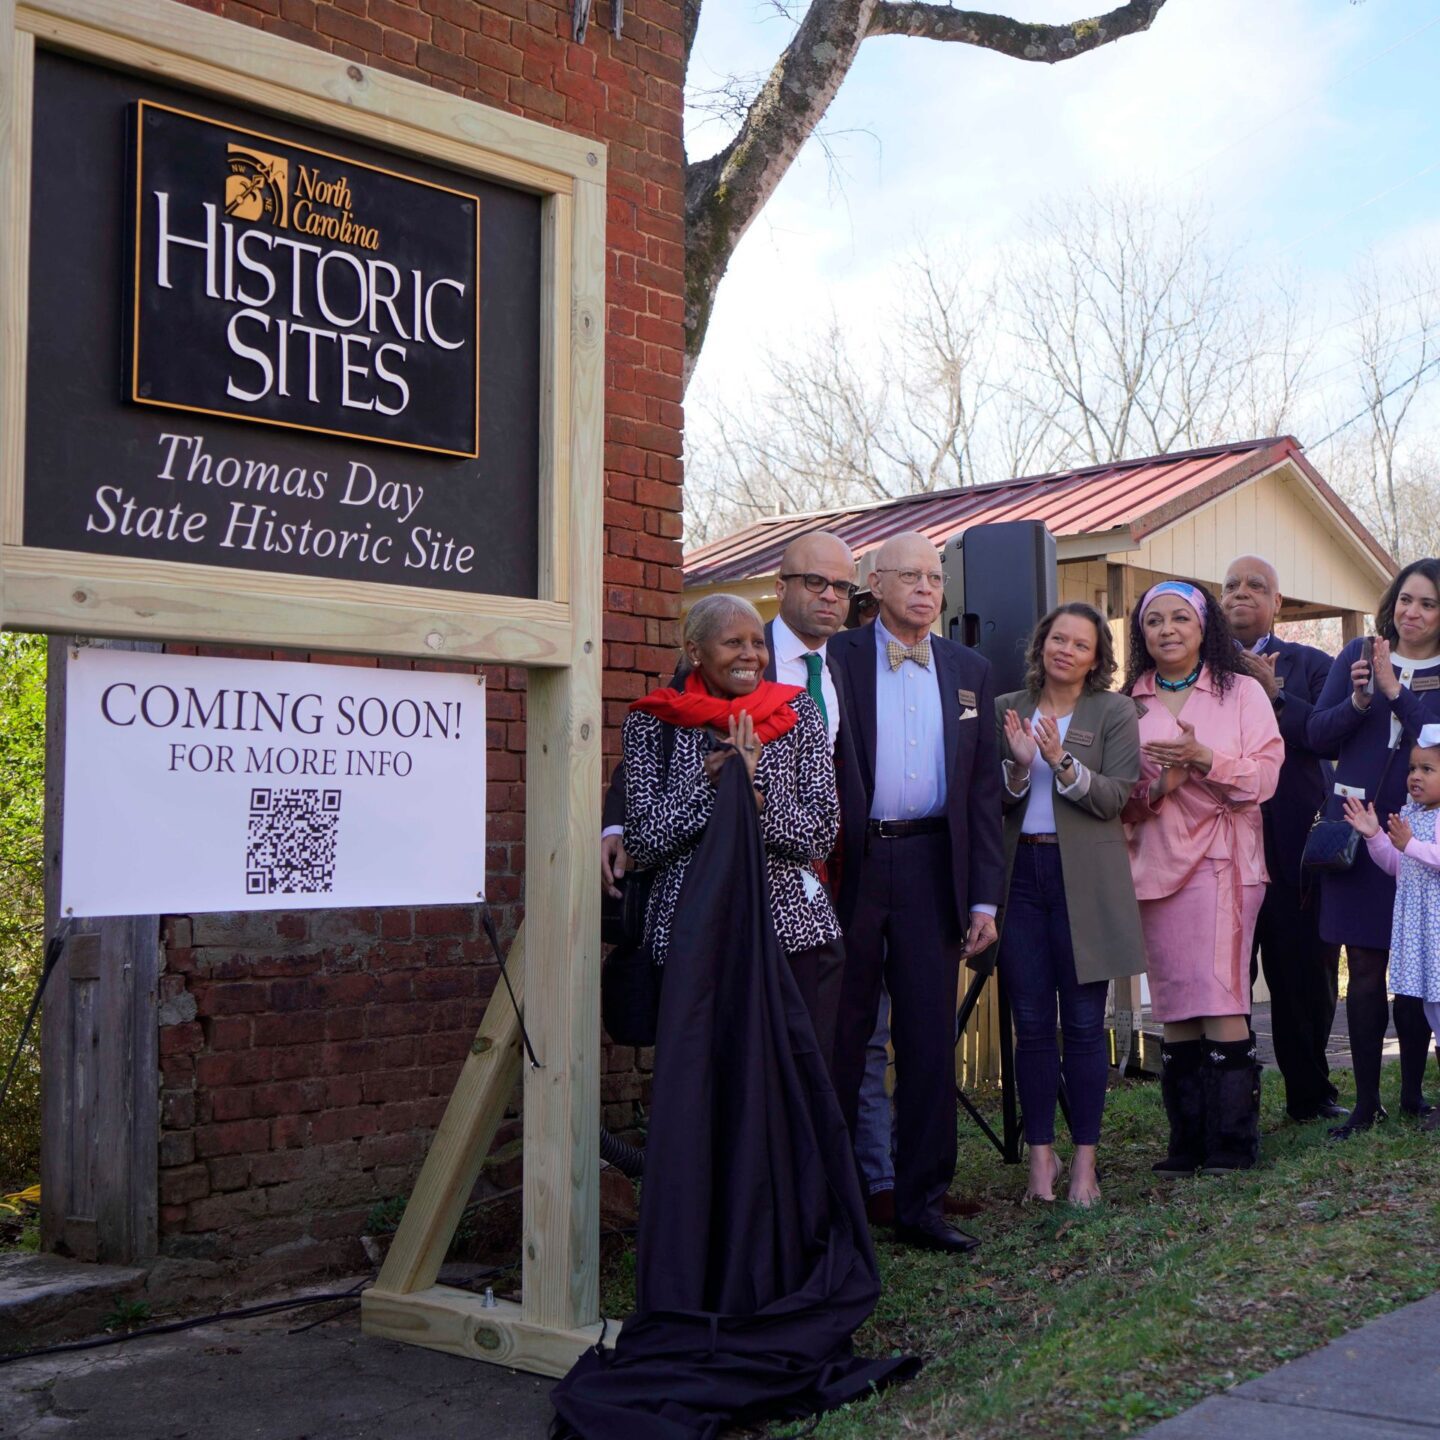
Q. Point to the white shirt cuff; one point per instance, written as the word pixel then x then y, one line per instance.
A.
pixel 990 910
pixel 1005 768
pixel 1079 787
pixel 610 830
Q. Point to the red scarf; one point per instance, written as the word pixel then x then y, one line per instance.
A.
pixel 768 705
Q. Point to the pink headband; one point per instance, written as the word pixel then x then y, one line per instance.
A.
pixel 1188 593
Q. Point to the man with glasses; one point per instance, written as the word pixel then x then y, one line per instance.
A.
pixel 814 587
pixel 922 863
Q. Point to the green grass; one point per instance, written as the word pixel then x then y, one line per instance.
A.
pixel 1099 1323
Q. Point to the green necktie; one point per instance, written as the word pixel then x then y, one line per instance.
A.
pixel 814 663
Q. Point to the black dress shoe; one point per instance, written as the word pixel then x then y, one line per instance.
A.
pixel 1416 1112
pixel 1353 1126
pixel 1330 1110
pixel 936 1235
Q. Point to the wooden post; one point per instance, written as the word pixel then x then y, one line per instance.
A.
pixel 99 1034
pixel 1352 625
pixel 558 1316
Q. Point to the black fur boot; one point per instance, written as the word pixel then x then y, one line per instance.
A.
pixel 1232 1105
pixel 1182 1089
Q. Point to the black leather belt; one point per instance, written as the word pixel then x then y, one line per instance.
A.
pixel 1039 839
pixel 899 829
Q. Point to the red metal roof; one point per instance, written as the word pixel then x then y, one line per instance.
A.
pixel 1142 495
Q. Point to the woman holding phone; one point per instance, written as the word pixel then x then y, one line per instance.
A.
pixel 1381 691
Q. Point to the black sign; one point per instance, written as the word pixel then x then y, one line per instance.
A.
pixel 292 286
pixel 137 444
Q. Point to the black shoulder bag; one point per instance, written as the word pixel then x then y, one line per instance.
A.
pixel 1332 846
pixel 629 976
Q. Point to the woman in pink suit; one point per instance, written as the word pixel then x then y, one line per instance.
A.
pixel 1210 754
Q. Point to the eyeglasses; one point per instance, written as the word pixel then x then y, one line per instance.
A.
pixel 912 577
pixel 819 584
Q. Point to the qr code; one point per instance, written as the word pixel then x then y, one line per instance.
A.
pixel 290 849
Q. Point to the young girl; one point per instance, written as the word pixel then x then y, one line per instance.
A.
pixel 1408 850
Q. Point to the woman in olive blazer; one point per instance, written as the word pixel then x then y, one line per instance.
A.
pixel 1070 756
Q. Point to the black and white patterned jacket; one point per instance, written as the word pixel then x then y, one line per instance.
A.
pixel 796 774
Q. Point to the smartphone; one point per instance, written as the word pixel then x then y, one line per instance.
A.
pixel 1367 654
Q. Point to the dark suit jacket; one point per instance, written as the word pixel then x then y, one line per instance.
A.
pixel 972 805
pixel 613 811
pixel 1304 777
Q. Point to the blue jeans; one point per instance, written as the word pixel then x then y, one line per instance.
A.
pixel 1037 964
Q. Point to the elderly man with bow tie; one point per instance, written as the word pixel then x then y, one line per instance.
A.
pixel 922 867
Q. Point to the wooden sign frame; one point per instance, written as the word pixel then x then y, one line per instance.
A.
pixel 558 636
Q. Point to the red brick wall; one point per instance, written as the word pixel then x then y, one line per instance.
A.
pixel 307 1057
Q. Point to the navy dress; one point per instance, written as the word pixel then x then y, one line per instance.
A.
pixel 1356 905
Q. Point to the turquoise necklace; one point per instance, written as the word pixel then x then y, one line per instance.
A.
pixel 1173 685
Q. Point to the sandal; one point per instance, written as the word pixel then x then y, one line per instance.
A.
pixel 1032 1197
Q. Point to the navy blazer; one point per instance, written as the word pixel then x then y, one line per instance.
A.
pixel 1356 904
pixel 612 812
pixel 972 802
pixel 1305 776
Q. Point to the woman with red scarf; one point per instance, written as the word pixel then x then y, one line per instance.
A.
pixel 727 707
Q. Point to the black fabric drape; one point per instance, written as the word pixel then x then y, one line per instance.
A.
pixel 754 1264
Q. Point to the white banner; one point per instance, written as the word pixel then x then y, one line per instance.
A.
pixel 196 784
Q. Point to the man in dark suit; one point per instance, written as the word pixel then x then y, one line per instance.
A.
pixel 814 586
pixel 1300 968
pixel 922 864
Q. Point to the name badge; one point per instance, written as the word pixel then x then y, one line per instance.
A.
pixel 1280 681
pixel 1080 737
pixel 966 699
pixel 1425 682
pixel 1349 792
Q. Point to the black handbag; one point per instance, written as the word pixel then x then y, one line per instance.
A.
pixel 1332 845
pixel 630 994
pixel 629 977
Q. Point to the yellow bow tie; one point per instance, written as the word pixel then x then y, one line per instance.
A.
pixel 898 654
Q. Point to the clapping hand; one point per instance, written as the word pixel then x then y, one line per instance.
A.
pixel 1386 681
pixel 1362 817
pixel 1047 739
pixel 1261 668
pixel 1186 750
pixel 1020 737
pixel 1400 832
pixel 742 742
pixel 1171 777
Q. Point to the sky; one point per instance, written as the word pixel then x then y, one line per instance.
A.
pixel 1310 127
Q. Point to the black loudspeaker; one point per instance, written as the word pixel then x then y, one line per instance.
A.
pixel 999 581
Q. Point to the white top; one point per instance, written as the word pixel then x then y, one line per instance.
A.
pixel 790 669
pixel 1407 670
pixel 1039 817
pixel 1040 809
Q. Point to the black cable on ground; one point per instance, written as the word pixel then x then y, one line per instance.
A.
pixel 346 1309
pixel 53 949
pixel 266 1308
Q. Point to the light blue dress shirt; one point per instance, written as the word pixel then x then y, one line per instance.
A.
pixel 909 738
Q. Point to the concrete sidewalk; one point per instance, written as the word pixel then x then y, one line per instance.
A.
pixel 254 1380
pixel 1380 1382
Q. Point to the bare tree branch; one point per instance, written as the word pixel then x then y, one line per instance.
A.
pixel 1019 39
pixel 725 193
